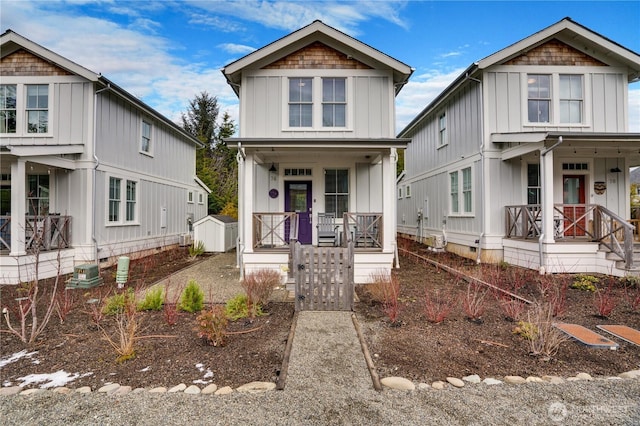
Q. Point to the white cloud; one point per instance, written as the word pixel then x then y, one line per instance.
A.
pixel 236 48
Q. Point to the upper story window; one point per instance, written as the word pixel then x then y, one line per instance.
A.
pixel 571 98
pixel 37 108
pixel 334 102
pixel 336 191
pixel 190 197
pixel 442 129
pixel 8 108
pixel 300 102
pixel 539 97
pixel 145 141
pixel 200 198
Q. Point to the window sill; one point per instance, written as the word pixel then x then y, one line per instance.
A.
pixel 147 154
pixel 116 224
pixel 442 146
pixel 318 129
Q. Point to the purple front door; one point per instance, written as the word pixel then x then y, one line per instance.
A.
pixel 297 199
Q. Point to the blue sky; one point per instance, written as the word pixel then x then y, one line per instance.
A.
pixel 166 52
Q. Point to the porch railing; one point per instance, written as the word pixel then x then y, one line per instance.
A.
pixel 590 222
pixel 274 230
pixel 44 233
pixel 364 229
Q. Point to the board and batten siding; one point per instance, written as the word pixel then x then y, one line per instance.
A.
pixel 370 106
pixel 119 132
pixel 604 99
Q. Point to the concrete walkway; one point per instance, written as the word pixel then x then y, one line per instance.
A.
pixel 326 353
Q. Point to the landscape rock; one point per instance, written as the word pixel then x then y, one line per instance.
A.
pixel 492 381
pixel 226 390
pixel 177 388
pixel 633 374
pixel 534 379
pixel 84 389
pixel 122 390
pixel 514 380
pixel 424 386
pixel 110 388
pixel 256 387
pixel 455 382
pixel 399 383
pixel 474 378
pixel 63 390
pixel 584 376
pixel 138 390
pixel 10 390
pixel 33 391
pixel 160 389
pixel 209 389
pixel 438 384
pixel 555 380
pixel 192 390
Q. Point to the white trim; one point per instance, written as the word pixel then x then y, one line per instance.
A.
pixel 460 194
pixel 122 208
pixel 148 152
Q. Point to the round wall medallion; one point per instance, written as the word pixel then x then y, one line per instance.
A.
pixel 273 193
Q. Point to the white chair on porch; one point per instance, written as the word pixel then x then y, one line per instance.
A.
pixel 327 229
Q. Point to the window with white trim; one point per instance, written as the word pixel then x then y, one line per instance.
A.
pixel 442 129
pixel 8 103
pixel 190 197
pixel 539 97
pixel 114 199
pixel 571 98
pixel 123 200
pixel 37 110
pixel 200 198
pixel 399 193
pixel 408 191
pixel 336 191
pixel 533 184
pixel 461 191
pixel 145 139
pixel 334 102
pixel 301 102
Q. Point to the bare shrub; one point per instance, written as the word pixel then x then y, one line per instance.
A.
pixel 438 305
pixel 170 304
pixel 65 301
pixel 556 294
pixel 545 341
pixel 632 297
pixel 604 300
pixel 259 286
pixel 512 308
pixel 127 330
pixel 385 289
pixel 474 302
pixel 212 325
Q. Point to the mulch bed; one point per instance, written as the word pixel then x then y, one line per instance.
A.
pixel 411 347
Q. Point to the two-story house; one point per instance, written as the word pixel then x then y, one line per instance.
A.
pixel 525 157
pixel 317 148
pixel 89 172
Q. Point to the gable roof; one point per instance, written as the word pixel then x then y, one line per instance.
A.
pixel 566 31
pixel 12 42
pixel 317 31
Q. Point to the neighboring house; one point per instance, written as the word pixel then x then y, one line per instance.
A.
pixel 89 172
pixel 317 137
pixel 525 157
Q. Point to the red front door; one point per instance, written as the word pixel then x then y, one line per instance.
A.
pixel 574 196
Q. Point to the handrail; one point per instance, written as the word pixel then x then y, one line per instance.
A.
pixel 274 230
pixel 364 229
pixel 45 233
pixel 613 224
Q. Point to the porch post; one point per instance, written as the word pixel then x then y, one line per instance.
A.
pixel 18 207
pixel 546 170
pixel 389 199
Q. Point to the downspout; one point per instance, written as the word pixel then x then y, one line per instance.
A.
pixel 95 171
pixel 240 157
pixel 543 153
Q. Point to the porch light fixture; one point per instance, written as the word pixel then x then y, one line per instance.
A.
pixel 615 170
pixel 273 168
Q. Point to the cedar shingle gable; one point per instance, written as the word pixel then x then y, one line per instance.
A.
pixel 317 56
pixel 23 63
pixel 554 52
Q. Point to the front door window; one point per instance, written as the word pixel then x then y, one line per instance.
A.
pixel 298 199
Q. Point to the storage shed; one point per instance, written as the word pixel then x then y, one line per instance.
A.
pixel 218 233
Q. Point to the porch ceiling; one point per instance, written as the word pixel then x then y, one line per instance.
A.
pixel 328 143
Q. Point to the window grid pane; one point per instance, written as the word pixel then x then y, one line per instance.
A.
pixel 114 199
pixel 146 137
pixel 336 187
pixel 131 201
pixel 300 102
pixel 8 108
pixel 454 192
pixel 539 94
pixel 571 99
pixel 37 108
pixel 334 102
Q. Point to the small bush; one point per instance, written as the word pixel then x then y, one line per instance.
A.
pixel 585 282
pixel 526 330
pixel 545 339
pixel 152 301
pixel 197 249
pixel 119 302
pixel 259 286
pixel 473 303
pixel 237 307
pixel 605 301
pixel 385 289
pixel 438 306
pixel 192 299
pixel 212 325
pixel 512 308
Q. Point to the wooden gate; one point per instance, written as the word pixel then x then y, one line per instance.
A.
pixel 324 277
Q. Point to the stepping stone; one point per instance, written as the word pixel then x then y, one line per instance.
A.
pixel 398 383
pixel 455 382
pixel 256 387
pixel 623 332
pixel 586 336
pixel 515 380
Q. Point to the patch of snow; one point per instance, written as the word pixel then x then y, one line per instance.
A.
pixel 6 384
pixel 208 374
pixel 145 369
pixel 15 357
pixel 59 378
pixel 200 367
pixel 200 381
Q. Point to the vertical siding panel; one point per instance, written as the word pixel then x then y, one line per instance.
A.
pixel 597 103
pixel 513 87
pixel 611 107
pixel 362 98
pixel 274 110
pixel 502 102
pixel 491 113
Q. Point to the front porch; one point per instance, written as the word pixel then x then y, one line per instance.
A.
pixel 585 238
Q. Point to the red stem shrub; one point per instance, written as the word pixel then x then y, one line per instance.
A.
pixel 438 306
